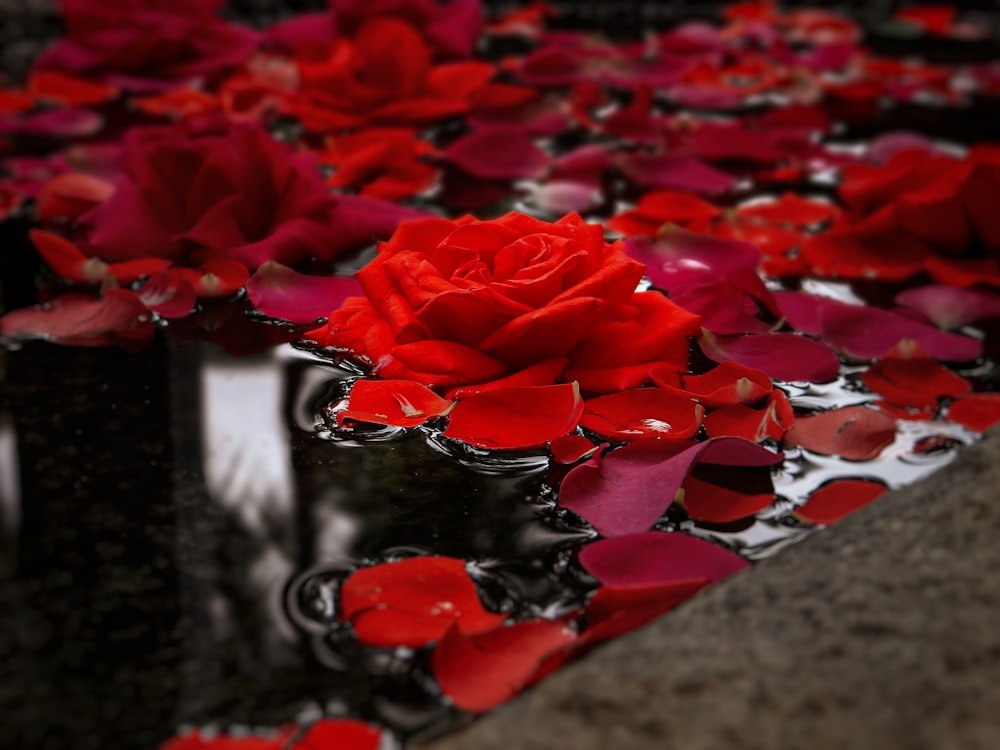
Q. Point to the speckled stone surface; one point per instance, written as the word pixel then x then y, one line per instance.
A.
pixel 881 632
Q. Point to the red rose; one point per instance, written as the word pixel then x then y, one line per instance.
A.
pixel 383 75
pixel 451 27
pixel 466 301
pixel 203 190
pixel 918 212
pixel 147 41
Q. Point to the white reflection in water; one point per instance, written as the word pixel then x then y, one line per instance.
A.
pixel 248 469
pixel 10 481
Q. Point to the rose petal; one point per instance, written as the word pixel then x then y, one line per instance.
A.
pixel 498 153
pixel 401 403
pixel 628 490
pixel 674 172
pixel 614 610
pixel 119 317
pixel 783 356
pixel 571 448
pixel 518 417
pixel 642 413
pixel 721 494
pixel 281 292
pixel 950 307
pixel 657 557
pixel 413 602
pixel 169 294
pixel 979 411
pixel 679 257
pixel 855 433
pixel 906 376
pixel 837 499
pixel 343 734
pixel 479 672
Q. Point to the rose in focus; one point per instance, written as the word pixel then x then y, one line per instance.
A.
pixel 467 302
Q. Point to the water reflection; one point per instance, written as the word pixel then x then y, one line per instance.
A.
pixel 10 482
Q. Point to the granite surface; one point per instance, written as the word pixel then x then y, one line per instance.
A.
pixel 881 632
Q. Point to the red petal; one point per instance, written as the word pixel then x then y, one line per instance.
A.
pixel 280 292
pixel 402 403
pixel 856 433
pixel 520 417
pixel 614 610
pixel 69 90
pixel 642 413
pixel 169 294
pixel 70 195
pixel 342 734
pixel 837 499
pixel 67 260
pixel 978 412
pixel 720 494
pixel 543 373
pixel 658 557
pixel 479 672
pixel 728 384
pixel 197 741
pixel 413 602
pixel 571 448
pixel 119 317
pixel 220 278
pixel 906 376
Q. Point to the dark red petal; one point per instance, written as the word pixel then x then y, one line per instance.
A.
pixel 519 417
pixel 614 610
pixel 168 293
pixel 658 557
pixel 728 384
pixel 783 356
pixel 856 433
pixel 413 602
pixel 67 260
pixel 281 292
pixel 70 195
pixel 479 672
pixel 679 257
pixel 674 172
pixel 220 278
pixel 720 494
pixel 626 491
pixel 402 403
pixel 839 498
pixel 498 153
pixel 196 740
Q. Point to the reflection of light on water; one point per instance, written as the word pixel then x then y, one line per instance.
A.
pixel 10 481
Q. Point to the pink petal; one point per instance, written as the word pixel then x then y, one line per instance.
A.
pixel 674 172
pixel 498 153
pixel 628 490
pixel 280 292
pixel 517 417
pixel 657 557
pixel 950 307
pixel 678 257
pixel 855 433
pixel 563 197
pixel 868 332
pixel 783 356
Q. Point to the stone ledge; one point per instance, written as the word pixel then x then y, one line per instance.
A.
pixel 881 632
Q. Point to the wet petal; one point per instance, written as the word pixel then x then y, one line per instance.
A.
pixel 498 153
pixel 855 433
pixel 839 498
pixel 642 413
pixel 413 602
pixel 401 403
pixel 281 292
pixel 783 356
